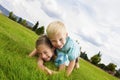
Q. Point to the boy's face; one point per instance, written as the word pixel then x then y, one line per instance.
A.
pixel 45 52
pixel 58 40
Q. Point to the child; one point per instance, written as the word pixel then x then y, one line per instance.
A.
pixel 45 51
pixel 59 38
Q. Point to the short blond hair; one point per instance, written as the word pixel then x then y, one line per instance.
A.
pixel 55 27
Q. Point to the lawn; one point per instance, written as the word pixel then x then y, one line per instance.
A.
pixel 16 42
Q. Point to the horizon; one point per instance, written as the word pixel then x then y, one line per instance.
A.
pixel 95 24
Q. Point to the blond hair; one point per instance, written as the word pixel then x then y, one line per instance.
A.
pixel 55 28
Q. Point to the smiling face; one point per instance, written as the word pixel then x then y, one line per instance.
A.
pixel 45 52
pixel 58 40
pixel 57 34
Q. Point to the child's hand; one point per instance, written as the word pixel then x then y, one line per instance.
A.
pixel 48 71
pixel 54 72
pixel 51 72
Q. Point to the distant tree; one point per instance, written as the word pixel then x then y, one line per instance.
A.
pixel 14 18
pixel 96 59
pixel 117 74
pixel 111 67
pixel 19 20
pixel 40 30
pixel 84 55
pixel 35 26
pixel 102 66
pixel 24 22
pixel 10 15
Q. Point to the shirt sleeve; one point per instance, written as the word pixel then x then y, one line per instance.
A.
pixel 73 53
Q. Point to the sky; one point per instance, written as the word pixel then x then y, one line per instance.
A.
pixel 94 23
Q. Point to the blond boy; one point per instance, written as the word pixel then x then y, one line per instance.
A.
pixel 64 45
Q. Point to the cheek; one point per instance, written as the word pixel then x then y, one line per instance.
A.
pixel 50 53
pixel 53 43
pixel 64 41
pixel 42 55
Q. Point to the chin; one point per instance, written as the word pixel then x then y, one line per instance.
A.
pixel 47 59
pixel 60 47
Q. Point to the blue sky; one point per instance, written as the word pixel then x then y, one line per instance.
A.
pixel 94 23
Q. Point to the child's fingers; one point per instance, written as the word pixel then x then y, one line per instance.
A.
pixel 54 72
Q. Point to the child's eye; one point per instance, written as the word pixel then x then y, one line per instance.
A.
pixel 45 52
pixel 61 39
pixel 53 41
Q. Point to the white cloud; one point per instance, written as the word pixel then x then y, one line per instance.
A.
pixel 51 8
pixel 108 12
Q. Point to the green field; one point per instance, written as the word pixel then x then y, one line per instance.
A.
pixel 16 42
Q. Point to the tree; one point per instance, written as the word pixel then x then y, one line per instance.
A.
pixel 102 66
pixel 84 55
pixel 19 20
pixel 24 23
pixel 96 59
pixel 40 30
pixel 10 15
pixel 117 74
pixel 14 18
pixel 111 67
pixel 35 26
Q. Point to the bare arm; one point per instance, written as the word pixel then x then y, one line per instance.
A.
pixel 62 67
pixel 70 67
pixel 33 53
pixel 44 68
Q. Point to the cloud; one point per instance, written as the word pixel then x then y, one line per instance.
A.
pixel 6 5
pixel 52 9
pixel 90 40
pixel 107 12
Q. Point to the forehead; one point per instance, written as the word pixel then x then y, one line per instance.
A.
pixel 43 47
pixel 57 36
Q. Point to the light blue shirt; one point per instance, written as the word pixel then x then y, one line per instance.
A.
pixel 69 52
pixel 61 59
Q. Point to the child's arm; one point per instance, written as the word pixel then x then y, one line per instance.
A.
pixel 33 53
pixel 44 68
pixel 62 67
pixel 70 67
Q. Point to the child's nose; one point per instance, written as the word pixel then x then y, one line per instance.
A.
pixel 58 43
pixel 44 56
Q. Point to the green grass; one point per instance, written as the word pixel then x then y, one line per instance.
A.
pixel 16 42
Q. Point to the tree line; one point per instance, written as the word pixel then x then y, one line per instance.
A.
pixel 23 22
pixel 95 60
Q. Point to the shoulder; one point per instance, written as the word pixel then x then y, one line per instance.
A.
pixel 73 46
pixel 71 42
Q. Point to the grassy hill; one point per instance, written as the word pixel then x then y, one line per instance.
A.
pixel 16 42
